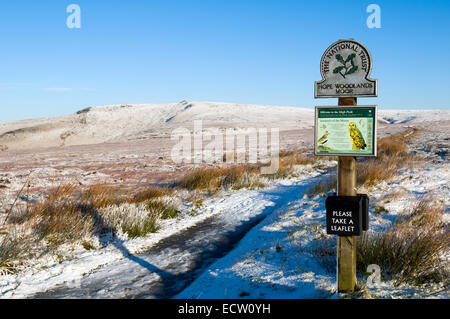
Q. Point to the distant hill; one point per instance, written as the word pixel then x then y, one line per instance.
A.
pixel 133 122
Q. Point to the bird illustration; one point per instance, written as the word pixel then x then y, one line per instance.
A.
pixel 323 139
pixel 356 137
pixel 324 148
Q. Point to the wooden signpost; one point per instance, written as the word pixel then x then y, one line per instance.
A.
pixel 346 132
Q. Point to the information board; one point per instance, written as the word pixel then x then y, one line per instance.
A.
pixel 345 131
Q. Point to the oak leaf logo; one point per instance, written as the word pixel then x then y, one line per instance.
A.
pixel 348 65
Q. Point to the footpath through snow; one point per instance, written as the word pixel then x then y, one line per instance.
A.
pixel 173 261
pixel 290 256
pixel 268 243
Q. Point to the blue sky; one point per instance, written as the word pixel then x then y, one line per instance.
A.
pixel 259 52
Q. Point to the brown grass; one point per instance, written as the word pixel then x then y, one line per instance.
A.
pixel 135 227
pixel 213 179
pixel 216 178
pixel 380 210
pixel 292 158
pixel 12 250
pixel 325 252
pixel 323 187
pixel 411 250
pixel 298 157
pixel 150 193
pixel 58 218
pixel 372 171
pixel 161 209
pixel 196 199
pixel 393 153
pixel 102 195
pixel 68 214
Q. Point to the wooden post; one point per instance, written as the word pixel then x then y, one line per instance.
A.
pixel 346 184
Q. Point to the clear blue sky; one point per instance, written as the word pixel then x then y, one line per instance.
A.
pixel 260 52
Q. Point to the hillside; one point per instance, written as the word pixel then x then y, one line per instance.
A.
pixel 118 123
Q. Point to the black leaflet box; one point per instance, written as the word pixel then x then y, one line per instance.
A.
pixel 365 211
pixel 344 215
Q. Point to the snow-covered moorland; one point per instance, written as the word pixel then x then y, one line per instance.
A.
pixel 267 241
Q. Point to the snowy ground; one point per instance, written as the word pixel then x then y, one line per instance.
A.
pixel 242 244
pixel 276 259
pixel 124 123
pixel 216 227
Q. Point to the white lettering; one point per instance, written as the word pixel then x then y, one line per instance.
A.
pixel 74 19
pixel 374 20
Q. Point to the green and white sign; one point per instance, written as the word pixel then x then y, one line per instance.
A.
pixel 345 131
pixel 345 67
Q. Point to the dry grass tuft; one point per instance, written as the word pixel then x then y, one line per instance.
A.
pixel 325 251
pixel 87 245
pixel 68 214
pixel 290 159
pixel 150 193
pixel 102 195
pixel 60 217
pixel 287 153
pixel 161 209
pixel 214 179
pixel 298 159
pixel 380 210
pixel 140 227
pixel 393 153
pixel 394 145
pixel 196 199
pixel 12 250
pixel 372 171
pixel 412 250
pixel 203 179
pixel 323 187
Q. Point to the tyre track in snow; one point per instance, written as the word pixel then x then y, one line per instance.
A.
pixel 174 262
